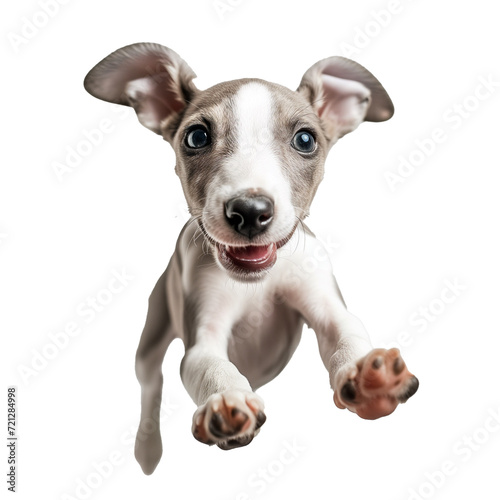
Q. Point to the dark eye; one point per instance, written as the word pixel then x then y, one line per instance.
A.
pixel 303 141
pixel 197 138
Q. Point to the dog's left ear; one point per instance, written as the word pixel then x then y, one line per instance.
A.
pixel 343 93
pixel 149 77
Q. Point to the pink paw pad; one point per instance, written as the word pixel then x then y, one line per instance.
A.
pixel 229 420
pixel 379 383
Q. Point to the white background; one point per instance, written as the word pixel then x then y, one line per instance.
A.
pixel 393 250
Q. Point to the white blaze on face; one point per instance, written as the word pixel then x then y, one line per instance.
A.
pixel 254 158
pixel 253 166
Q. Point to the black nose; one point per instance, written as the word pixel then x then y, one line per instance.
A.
pixel 249 215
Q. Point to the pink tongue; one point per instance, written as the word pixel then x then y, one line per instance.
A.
pixel 250 253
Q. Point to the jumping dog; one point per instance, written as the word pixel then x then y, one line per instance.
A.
pixel 250 155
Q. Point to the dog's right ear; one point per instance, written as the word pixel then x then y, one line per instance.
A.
pixel 343 93
pixel 151 78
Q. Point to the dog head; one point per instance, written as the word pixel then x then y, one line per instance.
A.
pixel 250 154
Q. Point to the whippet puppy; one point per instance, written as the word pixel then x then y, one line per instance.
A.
pixel 247 273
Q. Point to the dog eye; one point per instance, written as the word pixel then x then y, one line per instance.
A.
pixel 303 141
pixel 197 138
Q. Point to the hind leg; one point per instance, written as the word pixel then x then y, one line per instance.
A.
pixel 156 337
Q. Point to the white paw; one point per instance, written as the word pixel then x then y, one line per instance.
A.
pixel 230 419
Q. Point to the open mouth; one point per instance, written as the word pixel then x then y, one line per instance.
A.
pixel 250 261
pixel 250 258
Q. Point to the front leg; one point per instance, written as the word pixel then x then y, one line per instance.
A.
pixel 229 413
pixel 369 382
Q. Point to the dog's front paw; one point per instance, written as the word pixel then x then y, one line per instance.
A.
pixel 230 419
pixel 375 385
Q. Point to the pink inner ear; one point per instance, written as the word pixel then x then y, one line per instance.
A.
pixel 345 102
pixel 151 78
pixel 337 89
pixel 152 99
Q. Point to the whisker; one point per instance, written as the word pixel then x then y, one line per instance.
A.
pixel 195 235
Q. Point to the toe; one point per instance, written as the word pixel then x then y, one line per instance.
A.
pixel 260 420
pixel 377 362
pixel 227 422
pixel 398 365
pixel 230 444
pixel 410 389
pixel 238 418
pixel 348 392
pixel 218 426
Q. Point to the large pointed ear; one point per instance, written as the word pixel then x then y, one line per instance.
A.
pixel 343 94
pixel 151 78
